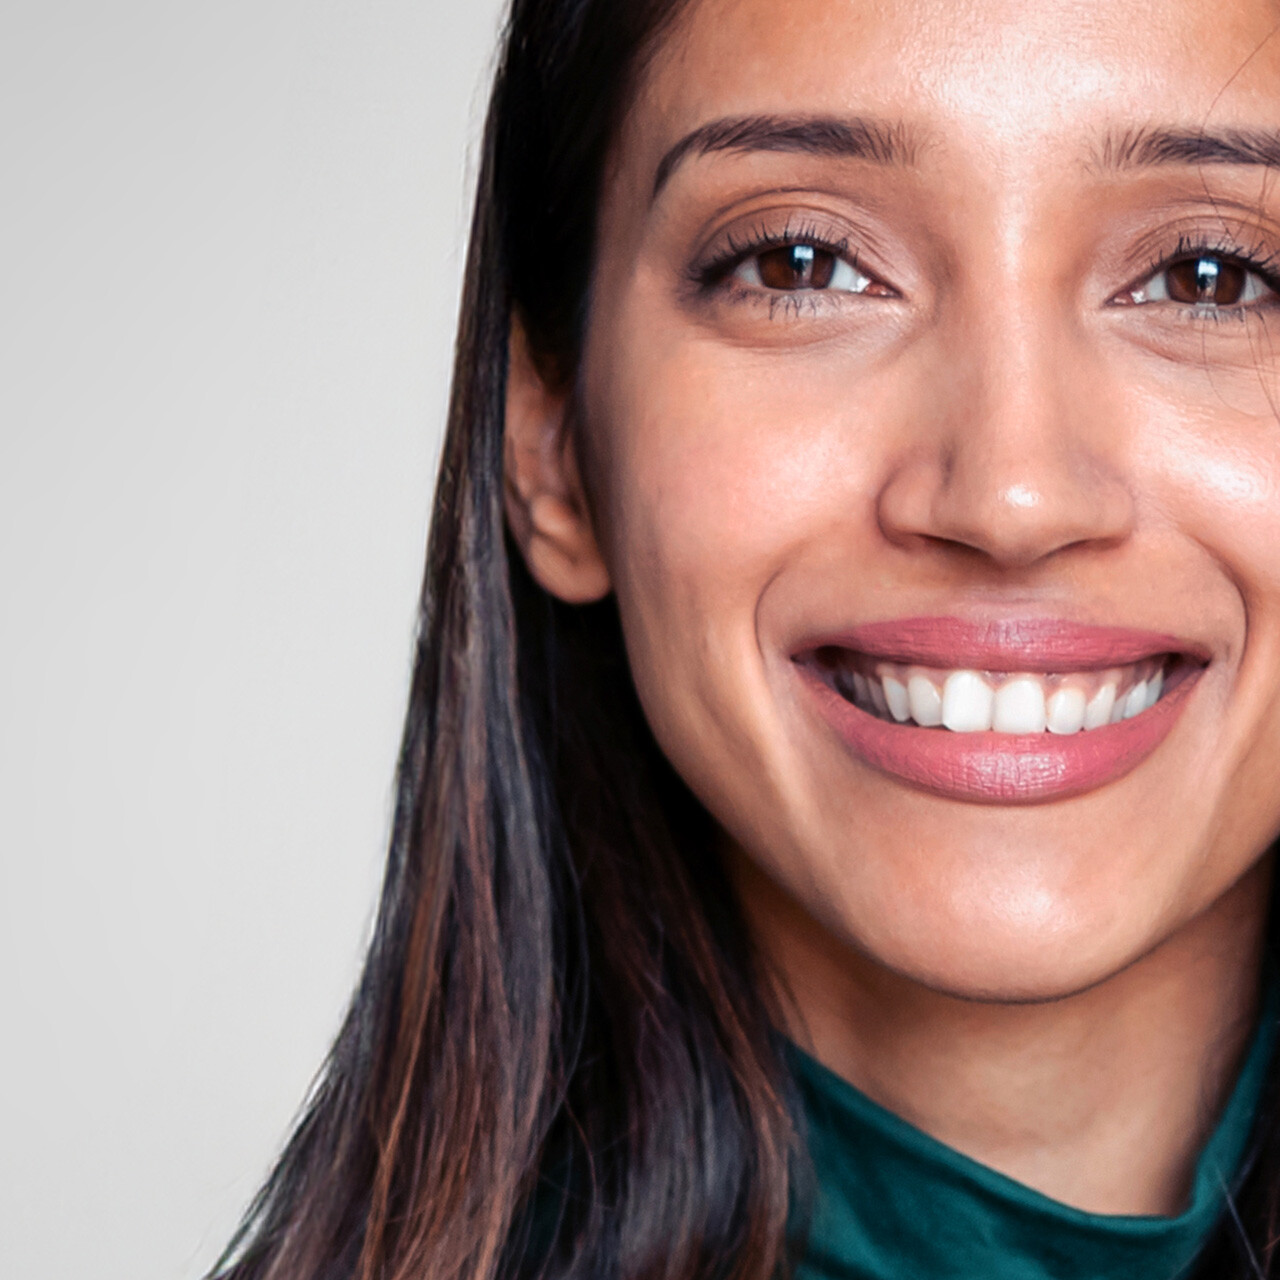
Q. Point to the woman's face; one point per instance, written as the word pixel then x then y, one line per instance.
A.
pixel 932 371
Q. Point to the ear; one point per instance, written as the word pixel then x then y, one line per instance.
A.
pixel 542 486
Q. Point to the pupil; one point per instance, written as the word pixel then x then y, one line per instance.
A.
pixel 1207 272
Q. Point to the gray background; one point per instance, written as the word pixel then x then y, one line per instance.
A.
pixel 232 240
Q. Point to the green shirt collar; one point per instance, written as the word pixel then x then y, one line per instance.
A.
pixel 893 1203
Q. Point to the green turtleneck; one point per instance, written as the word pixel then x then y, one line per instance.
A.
pixel 895 1204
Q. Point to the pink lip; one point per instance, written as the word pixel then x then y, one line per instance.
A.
pixel 999 768
pixel 1008 644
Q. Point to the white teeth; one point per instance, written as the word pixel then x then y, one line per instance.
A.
pixel 1066 710
pixel 925 701
pixel 1019 706
pixel 970 701
pixel 895 693
pixel 1098 712
pixel 1154 689
pixel 966 702
pixel 1136 701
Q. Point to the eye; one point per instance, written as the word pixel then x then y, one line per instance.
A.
pixel 1204 280
pixel 796 267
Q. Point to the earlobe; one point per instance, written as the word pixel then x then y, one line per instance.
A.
pixel 545 502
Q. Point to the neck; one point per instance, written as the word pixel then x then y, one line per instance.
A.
pixel 1101 1100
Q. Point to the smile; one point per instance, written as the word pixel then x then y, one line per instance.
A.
pixel 966 701
pixel 1003 712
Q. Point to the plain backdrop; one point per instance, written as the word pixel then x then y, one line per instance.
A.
pixel 232 243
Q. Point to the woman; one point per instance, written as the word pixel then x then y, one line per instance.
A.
pixel 835 806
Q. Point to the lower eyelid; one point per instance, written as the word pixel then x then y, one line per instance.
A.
pixel 784 304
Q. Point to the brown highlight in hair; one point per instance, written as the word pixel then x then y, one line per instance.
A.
pixel 560 1062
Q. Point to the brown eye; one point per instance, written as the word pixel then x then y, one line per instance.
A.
pixel 1206 281
pixel 796 266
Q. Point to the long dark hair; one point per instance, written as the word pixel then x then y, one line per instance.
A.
pixel 559 1061
pixel 556 1062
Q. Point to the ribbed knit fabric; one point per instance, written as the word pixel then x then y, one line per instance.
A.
pixel 896 1204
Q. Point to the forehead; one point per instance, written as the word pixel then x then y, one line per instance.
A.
pixel 995 79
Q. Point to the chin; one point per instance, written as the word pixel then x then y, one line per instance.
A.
pixel 1013 971
pixel 1011 943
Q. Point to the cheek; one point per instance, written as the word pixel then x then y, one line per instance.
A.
pixel 1206 453
pixel 718 469
pixel 1218 474
pixel 717 463
pixel 1207 467
pixel 715 468
pixel 1223 484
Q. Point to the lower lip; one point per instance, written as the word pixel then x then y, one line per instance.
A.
pixel 1001 768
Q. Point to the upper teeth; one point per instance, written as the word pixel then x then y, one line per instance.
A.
pixel 968 701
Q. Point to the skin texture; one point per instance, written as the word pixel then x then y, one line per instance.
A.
pixel 998 427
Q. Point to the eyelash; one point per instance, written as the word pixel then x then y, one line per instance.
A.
pixel 710 275
pixel 714 274
pixel 1254 259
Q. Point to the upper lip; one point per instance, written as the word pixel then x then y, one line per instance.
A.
pixel 1030 644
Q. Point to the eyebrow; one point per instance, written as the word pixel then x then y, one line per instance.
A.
pixel 863 138
pixel 1151 147
pixel 857 138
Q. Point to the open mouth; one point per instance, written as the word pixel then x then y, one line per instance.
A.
pixel 965 700
pixel 1011 710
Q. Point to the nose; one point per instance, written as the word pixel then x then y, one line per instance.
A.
pixel 1016 456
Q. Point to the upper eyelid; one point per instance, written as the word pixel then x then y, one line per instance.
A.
pixel 1256 257
pixel 1253 241
pixel 779 222
pixel 734 248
